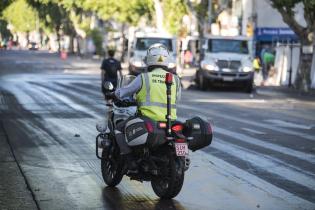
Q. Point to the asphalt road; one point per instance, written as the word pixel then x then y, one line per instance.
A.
pixel 262 155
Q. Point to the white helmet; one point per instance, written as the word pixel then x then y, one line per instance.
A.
pixel 157 55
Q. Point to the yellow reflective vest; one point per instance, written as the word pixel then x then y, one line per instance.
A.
pixel 152 99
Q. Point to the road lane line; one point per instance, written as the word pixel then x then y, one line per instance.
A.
pixel 285 150
pixel 68 101
pixel 247 139
pixel 265 162
pixel 288 124
pixel 250 122
pixel 228 101
pixel 229 169
pixel 253 131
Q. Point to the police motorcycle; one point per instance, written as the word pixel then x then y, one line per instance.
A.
pixel 161 149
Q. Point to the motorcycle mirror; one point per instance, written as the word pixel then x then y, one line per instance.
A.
pixel 108 86
pixel 101 127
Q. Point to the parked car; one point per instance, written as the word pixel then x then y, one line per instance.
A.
pixel 33 46
pixel 227 60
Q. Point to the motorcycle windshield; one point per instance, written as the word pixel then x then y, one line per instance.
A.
pixel 125 80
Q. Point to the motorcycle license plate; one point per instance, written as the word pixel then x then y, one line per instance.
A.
pixel 181 149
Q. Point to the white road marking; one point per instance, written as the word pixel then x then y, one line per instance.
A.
pixel 69 102
pixel 287 151
pixel 252 123
pixel 265 162
pixel 241 137
pixel 253 131
pixel 229 100
pixel 229 169
pixel 289 124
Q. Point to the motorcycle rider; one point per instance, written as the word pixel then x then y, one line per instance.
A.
pixel 150 90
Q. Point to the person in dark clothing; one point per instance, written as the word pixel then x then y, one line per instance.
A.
pixel 110 68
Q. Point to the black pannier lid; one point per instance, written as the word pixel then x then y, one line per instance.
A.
pixel 200 131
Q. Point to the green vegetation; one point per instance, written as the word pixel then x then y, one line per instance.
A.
pixel 96 36
pixel 174 11
pixel 25 20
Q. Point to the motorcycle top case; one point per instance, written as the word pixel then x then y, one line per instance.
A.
pixel 200 131
pixel 137 134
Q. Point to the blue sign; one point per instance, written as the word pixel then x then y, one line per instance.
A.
pixel 275 34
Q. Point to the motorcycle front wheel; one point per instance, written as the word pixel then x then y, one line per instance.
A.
pixel 112 166
pixel 168 185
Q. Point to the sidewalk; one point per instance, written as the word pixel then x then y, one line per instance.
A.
pixel 285 91
pixel 14 193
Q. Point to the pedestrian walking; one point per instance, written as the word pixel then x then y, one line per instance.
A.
pixel 110 68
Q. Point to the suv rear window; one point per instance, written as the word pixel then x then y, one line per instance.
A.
pixel 145 43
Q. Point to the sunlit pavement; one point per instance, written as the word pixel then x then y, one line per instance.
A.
pixel 262 155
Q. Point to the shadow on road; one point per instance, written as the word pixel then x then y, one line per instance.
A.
pixel 116 200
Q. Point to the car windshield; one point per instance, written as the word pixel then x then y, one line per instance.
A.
pixel 226 45
pixel 145 43
pixel 125 80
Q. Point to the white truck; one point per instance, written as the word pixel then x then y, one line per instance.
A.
pixel 227 60
pixel 138 49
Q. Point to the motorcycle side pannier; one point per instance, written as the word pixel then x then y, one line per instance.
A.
pixel 200 132
pixel 144 131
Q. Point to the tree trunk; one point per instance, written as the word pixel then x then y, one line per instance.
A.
pixel 158 15
pixel 78 46
pixel 58 37
pixel 303 81
pixel 28 37
pixel 123 52
pixel 313 64
pixel 71 44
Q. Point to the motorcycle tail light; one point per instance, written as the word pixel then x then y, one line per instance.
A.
pixel 162 125
pixel 180 141
pixel 149 127
pixel 177 127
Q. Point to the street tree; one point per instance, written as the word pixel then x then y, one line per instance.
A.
pixel 306 34
pixel 54 16
pixel 22 17
pixel 174 11
pixel 125 12
pixel 203 11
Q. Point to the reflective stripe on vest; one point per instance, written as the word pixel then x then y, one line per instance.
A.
pixel 153 104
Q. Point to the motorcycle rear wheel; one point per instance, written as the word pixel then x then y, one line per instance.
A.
pixel 170 183
pixel 112 166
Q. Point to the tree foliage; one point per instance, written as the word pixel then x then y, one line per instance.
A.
pixel 4 4
pixel 22 16
pixel 174 11
pixel 306 34
pixel 286 9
